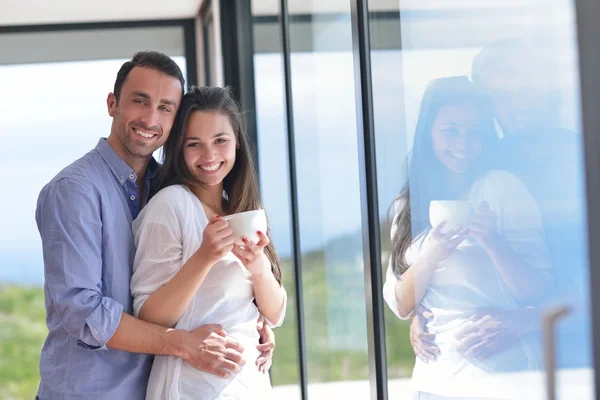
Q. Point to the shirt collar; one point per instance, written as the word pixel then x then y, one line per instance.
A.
pixel 119 168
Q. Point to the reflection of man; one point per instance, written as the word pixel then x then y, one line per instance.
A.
pixel 546 157
pixel 95 349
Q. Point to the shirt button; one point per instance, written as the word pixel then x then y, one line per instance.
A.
pixel 132 197
pixel 122 179
pixel 131 176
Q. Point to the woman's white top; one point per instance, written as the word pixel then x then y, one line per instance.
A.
pixel 167 233
pixel 467 281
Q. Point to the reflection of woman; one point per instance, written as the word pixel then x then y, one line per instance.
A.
pixel 187 269
pixel 497 261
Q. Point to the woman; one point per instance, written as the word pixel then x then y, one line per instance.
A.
pixel 498 260
pixel 187 270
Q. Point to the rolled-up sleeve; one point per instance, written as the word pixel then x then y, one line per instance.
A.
pixel 389 293
pixel 283 310
pixel 389 287
pixel 70 224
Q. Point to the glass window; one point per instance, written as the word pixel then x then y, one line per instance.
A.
pixel 54 113
pixel 274 167
pixel 480 164
pixel 329 196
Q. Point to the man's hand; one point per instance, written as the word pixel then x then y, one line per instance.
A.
pixel 266 346
pixel 421 340
pixel 208 348
pixel 491 331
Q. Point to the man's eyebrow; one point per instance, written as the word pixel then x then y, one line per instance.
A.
pixel 168 102
pixel 147 97
pixel 140 94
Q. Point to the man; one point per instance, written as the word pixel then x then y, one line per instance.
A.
pixel 534 146
pixel 95 348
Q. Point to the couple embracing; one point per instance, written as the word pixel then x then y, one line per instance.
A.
pixel 149 293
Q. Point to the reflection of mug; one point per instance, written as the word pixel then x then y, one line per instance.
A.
pixel 455 213
pixel 247 224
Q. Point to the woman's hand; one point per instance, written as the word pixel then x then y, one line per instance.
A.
pixel 217 240
pixel 252 255
pixel 438 246
pixel 482 226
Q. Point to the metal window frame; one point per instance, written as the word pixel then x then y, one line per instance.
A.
pixel 191 57
pixel 367 161
pixel 187 24
pixel 587 13
pixel 207 21
pixel 295 219
pixel 159 23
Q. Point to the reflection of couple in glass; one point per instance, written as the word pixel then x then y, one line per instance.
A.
pixel 487 250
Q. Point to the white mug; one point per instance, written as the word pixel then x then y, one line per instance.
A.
pixel 454 212
pixel 247 224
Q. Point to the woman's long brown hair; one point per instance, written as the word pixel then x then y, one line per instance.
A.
pixel 240 186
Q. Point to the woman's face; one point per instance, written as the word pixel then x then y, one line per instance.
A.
pixel 457 136
pixel 209 147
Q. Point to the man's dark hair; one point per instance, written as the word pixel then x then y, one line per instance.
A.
pixel 150 59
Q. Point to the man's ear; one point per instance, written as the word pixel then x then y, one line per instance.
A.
pixel 111 103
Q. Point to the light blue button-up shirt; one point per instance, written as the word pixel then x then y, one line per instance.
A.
pixel 84 218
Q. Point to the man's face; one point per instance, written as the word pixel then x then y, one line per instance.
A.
pixel 519 97
pixel 144 115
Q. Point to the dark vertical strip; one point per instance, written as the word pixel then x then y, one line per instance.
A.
pixel 285 40
pixel 369 200
pixel 207 61
pixel 587 17
pixel 238 60
pixel 191 59
pixel 207 24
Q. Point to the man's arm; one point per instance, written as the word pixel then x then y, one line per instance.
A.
pixel 136 336
pixel 70 226
pixel 207 348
